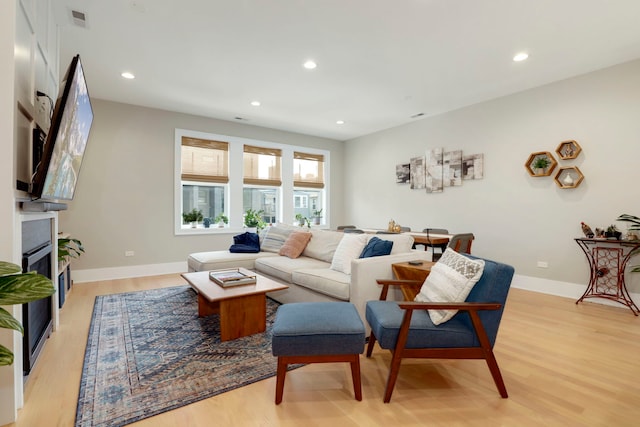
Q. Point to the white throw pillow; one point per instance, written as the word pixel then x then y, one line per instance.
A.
pixel 451 280
pixel 349 248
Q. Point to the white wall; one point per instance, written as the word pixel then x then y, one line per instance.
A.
pixel 125 196
pixel 516 218
pixel 8 398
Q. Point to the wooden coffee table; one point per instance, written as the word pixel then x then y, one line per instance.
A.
pixel 242 309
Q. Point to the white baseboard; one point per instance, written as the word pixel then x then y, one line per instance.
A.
pixel 97 274
pixel 535 284
pixel 561 289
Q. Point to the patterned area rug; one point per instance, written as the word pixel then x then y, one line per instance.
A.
pixel 148 352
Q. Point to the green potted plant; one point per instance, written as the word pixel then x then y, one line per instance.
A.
pixel 540 164
pixel 18 288
pixel 633 230
pixel 613 232
pixel 253 219
pixel 68 247
pixel 221 219
pixel 317 216
pixel 302 220
pixel 192 217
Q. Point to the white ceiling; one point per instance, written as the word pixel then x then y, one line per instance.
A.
pixel 379 61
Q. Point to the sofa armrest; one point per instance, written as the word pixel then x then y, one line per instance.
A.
pixel 365 272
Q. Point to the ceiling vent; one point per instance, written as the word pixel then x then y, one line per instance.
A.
pixel 415 116
pixel 79 18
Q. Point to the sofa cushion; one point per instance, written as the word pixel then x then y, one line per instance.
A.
pixel 216 260
pixel 451 280
pixel 324 280
pixel 281 267
pixel 323 244
pixel 350 248
pixel 295 244
pixel 274 238
pixel 377 247
pixel 402 243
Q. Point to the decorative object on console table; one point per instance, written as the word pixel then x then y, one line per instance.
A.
pixel 540 163
pixel 18 288
pixel 613 232
pixel 607 261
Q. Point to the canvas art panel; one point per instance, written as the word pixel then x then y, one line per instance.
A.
pixel 473 166
pixel 434 158
pixel 452 168
pixel 417 173
pixel 403 173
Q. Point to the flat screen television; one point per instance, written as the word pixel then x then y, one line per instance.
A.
pixel 57 173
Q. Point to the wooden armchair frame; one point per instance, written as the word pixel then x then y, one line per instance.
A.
pixel 484 351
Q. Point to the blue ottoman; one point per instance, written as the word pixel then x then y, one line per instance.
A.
pixel 317 332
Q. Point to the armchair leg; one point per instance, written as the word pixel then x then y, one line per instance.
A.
pixel 492 363
pixel 280 376
pixel 394 369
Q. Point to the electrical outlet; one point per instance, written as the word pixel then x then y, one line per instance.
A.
pixel 129 253
pixel 543 264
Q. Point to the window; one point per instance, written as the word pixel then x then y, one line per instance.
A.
pixel 262 181
pixel 226 174
pixel 204 174
pixel 308 178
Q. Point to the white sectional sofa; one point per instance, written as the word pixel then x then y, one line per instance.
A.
pixel 327 270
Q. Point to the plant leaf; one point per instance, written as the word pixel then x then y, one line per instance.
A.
pixel 23 288
pixel 9 268
pixel 7 321
pixel 6 357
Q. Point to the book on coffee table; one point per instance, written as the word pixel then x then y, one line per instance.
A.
pixel 233 277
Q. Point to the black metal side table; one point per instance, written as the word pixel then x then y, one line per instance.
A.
pixel 607 261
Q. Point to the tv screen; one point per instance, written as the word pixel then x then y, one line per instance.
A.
pixel 57 173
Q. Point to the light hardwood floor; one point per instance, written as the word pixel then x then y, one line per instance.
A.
pixel 563 365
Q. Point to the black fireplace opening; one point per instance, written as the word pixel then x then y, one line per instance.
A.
pixel 37 316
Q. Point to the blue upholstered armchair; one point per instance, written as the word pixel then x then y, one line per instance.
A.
pixel 406 329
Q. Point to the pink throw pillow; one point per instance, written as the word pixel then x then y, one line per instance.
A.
pixel 295 244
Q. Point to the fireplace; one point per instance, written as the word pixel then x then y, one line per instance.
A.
pixel 37 316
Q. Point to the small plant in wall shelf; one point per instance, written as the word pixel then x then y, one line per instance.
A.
pixel 69 248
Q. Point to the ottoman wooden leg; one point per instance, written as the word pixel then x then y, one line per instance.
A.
pixel 355 375
pixel 280 375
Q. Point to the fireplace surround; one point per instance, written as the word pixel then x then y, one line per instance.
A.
pixel 37 316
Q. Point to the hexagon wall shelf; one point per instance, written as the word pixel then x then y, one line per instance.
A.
pixel 538 172
pixel 568 150
pixel 568 177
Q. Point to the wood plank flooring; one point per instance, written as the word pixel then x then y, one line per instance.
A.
pixel 563 365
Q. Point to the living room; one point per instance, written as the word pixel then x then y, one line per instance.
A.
pixel 125 197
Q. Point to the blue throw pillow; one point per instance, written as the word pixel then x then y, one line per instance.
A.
pixel 376 247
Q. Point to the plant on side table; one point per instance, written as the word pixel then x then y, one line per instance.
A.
pixel 18 288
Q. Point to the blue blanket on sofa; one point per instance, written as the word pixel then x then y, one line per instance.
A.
pixel 245 243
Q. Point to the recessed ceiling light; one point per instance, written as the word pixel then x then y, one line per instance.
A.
pixel 521 57
pixel 255 103
pixel 310 65
pixel 128 75
pixel 340 122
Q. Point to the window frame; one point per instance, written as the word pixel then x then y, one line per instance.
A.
pixel 233 198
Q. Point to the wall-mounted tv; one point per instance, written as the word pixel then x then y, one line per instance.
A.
pixel 57 173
